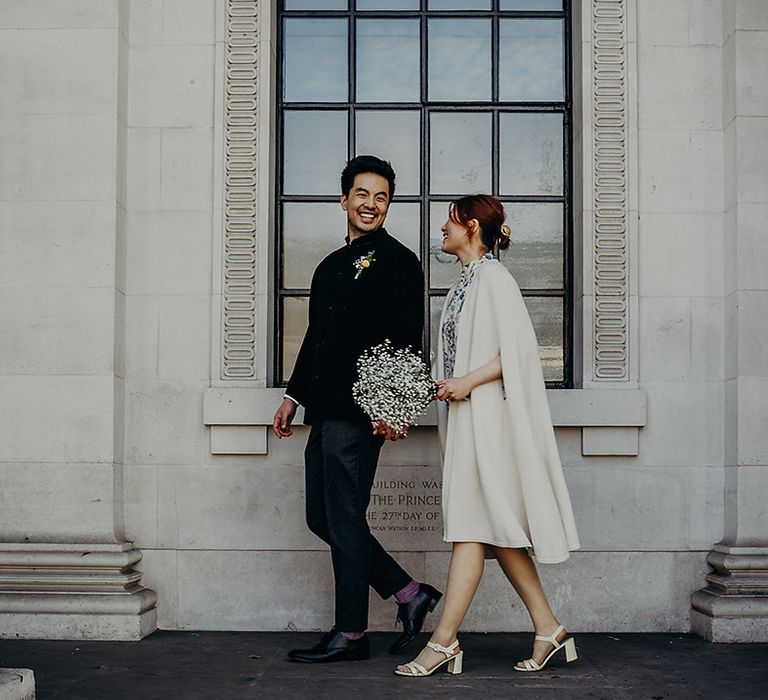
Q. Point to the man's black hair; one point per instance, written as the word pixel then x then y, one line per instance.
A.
pixel 367 164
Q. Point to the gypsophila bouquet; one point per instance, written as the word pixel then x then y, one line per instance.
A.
pixel 394 385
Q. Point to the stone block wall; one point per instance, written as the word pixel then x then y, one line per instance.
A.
pixel 113 197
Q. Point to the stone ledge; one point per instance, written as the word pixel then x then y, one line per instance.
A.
pixel 610 418
pixel 569 407
pixel 85 626
pixel 17 684
pixel 30 548
pixel 731 629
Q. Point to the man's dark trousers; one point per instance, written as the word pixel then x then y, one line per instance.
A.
pixel 340 463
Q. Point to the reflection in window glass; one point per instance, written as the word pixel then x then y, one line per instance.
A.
pixel 460 152
pixel 459 4
pixel 396 137
pixel 535 253
pixel 403 223
pixel 388 4
pixel 531 4
pixel 459 60
pixel 315 144
pixel 547 316
pixel 316 4
pixel 388 59
pixel 295 321
pixel 531 65
pixel 315 68
pixel 530 153
pixel 443 268
pixel 435 312
pixel 311 230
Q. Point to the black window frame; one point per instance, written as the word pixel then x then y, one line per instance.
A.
pixel 425 108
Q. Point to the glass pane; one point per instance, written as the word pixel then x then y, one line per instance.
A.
pixel 388 4
pixel 531 65
pixel 403 223
pixel 295 320
pixel 388 60
pixel 310 232
pixel 315 144
pixel 460 153
pixel 531 153
pixel 547 316
pixel 435 311
pixel 459 4
pixel 315 60
pixel 316 4
pixel 443 268
pixel 531 4
pixel 459 59
pixel 535 253
pixel 396 137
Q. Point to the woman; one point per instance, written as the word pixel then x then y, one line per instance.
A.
pixel 504 494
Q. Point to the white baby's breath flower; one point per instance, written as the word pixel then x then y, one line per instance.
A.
pixel 394 385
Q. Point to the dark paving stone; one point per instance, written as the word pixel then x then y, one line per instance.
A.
pixel 217 665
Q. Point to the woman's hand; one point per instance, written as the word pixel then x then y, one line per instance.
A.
pixel 454 389
pixel 458 388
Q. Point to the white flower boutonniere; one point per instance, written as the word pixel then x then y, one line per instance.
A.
pixel 364 262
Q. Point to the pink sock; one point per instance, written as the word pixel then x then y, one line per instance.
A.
pixel 407 593
pixel 353 635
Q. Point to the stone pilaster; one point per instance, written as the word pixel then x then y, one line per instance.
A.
pixel 733 607
pixel 66 569
pixel 57 591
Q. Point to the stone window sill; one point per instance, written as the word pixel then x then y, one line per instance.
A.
pixel 610 419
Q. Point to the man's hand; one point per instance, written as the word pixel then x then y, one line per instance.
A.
pixel 281 425
pixel 454 389
pixel 381 428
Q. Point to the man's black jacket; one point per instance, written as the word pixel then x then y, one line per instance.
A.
pixel 348 316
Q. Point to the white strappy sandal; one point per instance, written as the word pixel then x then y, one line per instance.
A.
pixel 454 661
pixel 568 644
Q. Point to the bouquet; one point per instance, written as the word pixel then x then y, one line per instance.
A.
pixel 394 386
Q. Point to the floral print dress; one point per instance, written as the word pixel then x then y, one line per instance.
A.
pixel 453 311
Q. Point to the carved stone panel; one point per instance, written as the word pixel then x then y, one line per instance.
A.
pixel 240 191
pixel 610 191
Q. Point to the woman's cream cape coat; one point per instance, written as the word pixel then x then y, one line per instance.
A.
pixel 502 478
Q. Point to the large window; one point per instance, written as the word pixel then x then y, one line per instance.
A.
pixel 462 96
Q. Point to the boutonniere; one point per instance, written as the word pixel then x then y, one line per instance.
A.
pixel 364 262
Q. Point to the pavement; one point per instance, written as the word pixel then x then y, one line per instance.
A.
pixel 218 665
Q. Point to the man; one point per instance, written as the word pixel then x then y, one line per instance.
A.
pixel 367 291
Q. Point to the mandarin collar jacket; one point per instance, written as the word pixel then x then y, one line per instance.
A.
pixel 350 313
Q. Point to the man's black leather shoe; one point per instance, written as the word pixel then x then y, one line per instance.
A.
pixel 412 615
pixel 333 646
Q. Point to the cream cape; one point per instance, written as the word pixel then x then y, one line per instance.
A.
pixel 503 482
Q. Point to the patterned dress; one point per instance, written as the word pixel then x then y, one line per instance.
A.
pixel 453 311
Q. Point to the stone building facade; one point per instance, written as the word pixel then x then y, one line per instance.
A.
pixel 139 484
